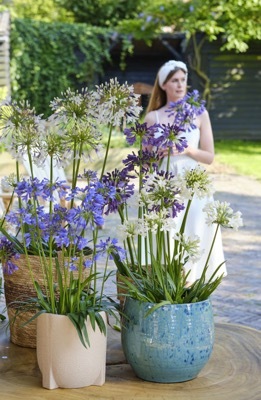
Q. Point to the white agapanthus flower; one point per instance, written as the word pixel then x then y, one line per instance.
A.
pixel 168 225
pixel 189 246
pixel 144 198
pixel 142 228
pixel 221 213
pixel 131 229
pixel 116 101
pixel 152 221
pixel 197 182
pixel 20 129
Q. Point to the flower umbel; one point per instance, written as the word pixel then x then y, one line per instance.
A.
pixel 221 213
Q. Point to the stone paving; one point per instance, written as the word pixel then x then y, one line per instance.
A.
pixel 238 299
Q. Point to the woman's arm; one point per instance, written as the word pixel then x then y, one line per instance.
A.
pixel 205 153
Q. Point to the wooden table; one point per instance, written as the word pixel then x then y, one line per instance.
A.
pixel 232 373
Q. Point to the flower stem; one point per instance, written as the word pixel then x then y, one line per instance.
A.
pixel 106 152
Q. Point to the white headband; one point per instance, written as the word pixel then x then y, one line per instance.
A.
pixel 168 67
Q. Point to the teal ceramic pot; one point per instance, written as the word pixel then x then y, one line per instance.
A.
pixel 172 344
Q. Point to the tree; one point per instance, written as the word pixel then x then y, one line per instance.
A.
pixel 105 13
pixel 234 22
pixel 47 10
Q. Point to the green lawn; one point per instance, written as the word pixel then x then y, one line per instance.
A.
pixel 243 156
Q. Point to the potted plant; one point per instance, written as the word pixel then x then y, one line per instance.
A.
pixel 53 230
pixel 167 328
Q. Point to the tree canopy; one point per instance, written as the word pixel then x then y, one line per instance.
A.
pixel 236 22
pixel 41 30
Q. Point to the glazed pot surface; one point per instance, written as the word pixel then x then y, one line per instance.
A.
pixel 171 344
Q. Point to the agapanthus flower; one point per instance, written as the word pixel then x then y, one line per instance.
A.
pixel 22 216
pixel 74 105
pixel 161 191
pixel 89 175
pixel 170 136
pixel 9 182
pixel 130 229
pixel 221 213
pixel 168 224
pixel 142 161
pixel 195 181
pixel 21 129
pixel 189 247
pixel 140 131
pixel 75 117
pixel 71 263
pixel 154 220
pixel 61 238
pixel 116 102
pixel 123 189
pixel 36 189
pixel 8 254
pixel 110 247
pixel 55 146
pixel 185 110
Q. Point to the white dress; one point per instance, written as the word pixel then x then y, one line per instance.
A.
pixel 196 221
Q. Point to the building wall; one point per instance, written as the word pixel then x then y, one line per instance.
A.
pixel 235 106
pixel 235 79
pixel 142 66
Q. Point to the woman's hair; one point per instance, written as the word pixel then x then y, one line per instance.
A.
pixel 158 96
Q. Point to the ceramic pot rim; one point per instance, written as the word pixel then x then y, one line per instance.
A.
pixel 179 305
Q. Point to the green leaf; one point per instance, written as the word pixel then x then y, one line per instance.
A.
pixel 154 308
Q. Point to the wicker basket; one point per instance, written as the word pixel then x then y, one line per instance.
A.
pixel 19 287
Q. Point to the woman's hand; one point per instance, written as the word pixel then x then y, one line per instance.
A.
pixel 173 152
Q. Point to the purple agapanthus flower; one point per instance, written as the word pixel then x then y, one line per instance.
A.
pixel 36 189
pixel 149 138
pixel 139 130
pixel 171 136
pixel 90 210
pixel 120 180
pixel 21 216
pixel 71 263
pixel 109 246
pixel 186 110
pixel 90 175
pixel 143 160
pixel 61 238
pixel 7 255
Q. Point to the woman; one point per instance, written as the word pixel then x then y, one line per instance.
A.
pixel 171 86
